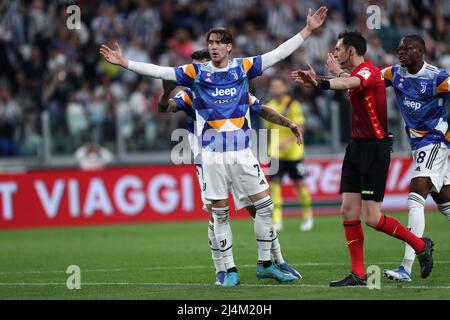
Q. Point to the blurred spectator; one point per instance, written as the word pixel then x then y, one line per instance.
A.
pixel 335 23
pixel 9 106
pixel 144 24
pixel 8 146
pixel 77 121
pixel 91 156
pixel 136 52
pixel 375 51
pixel 181 43
pixel 281 23
pixel 31 74
pixel 38 20
pixel 12 26
pixel 142 115
pixel 31 141
pixel 108 24
pixel 60 84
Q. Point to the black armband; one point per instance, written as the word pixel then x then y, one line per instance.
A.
pixel 323 84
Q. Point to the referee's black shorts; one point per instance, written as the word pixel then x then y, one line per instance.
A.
pixel 296 170
pixel 365 168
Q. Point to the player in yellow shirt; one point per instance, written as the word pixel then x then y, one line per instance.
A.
pixel 289 153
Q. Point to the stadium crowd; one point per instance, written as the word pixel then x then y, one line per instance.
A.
pixel 47 66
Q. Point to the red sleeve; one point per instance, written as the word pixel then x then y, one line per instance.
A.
pixel 367 77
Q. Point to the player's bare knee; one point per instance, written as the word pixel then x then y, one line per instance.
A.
pixel 350 211
pixel 219 203
pixel 371 216
pixel 370 221
pixel 421 186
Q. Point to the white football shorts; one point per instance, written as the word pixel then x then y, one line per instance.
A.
pixel 432 161
pixel 240 200
pixel 235 171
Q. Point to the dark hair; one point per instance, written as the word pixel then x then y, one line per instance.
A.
pixel 417 39
pixel 354 39
pixel 200 54
pixel 225 35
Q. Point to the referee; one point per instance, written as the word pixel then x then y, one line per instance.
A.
pixel 366 162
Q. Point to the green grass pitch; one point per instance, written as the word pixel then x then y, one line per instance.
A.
pixel 172 261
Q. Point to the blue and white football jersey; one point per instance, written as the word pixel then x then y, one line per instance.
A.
pixel 183 100
pixel 421 98
pixel 221 102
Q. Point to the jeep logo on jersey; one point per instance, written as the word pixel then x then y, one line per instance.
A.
pixel 412 104
pixel 224 92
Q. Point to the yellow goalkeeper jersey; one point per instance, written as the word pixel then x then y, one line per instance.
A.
pixel 292 110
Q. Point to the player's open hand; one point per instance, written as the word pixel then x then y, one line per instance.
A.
pixel 297 132
pixel 332 65
pixel 306 78
pixel 315 21
pixel 113 56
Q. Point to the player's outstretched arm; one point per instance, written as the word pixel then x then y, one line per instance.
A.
pixel 272 116
pixel 313 21
pixel 165 104
pixel 147 69
pixel 308 78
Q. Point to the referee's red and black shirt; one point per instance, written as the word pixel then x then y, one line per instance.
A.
pixel 369 111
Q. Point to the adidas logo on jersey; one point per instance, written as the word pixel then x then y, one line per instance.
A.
pixel 224 92
pixel 412 104
pixel 417 169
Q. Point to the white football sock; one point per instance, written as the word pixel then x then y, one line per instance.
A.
pixel 215 251
pixel 416 223
pixel 444 208
pixel 223 234
pixel 276 248
pixel 263 227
